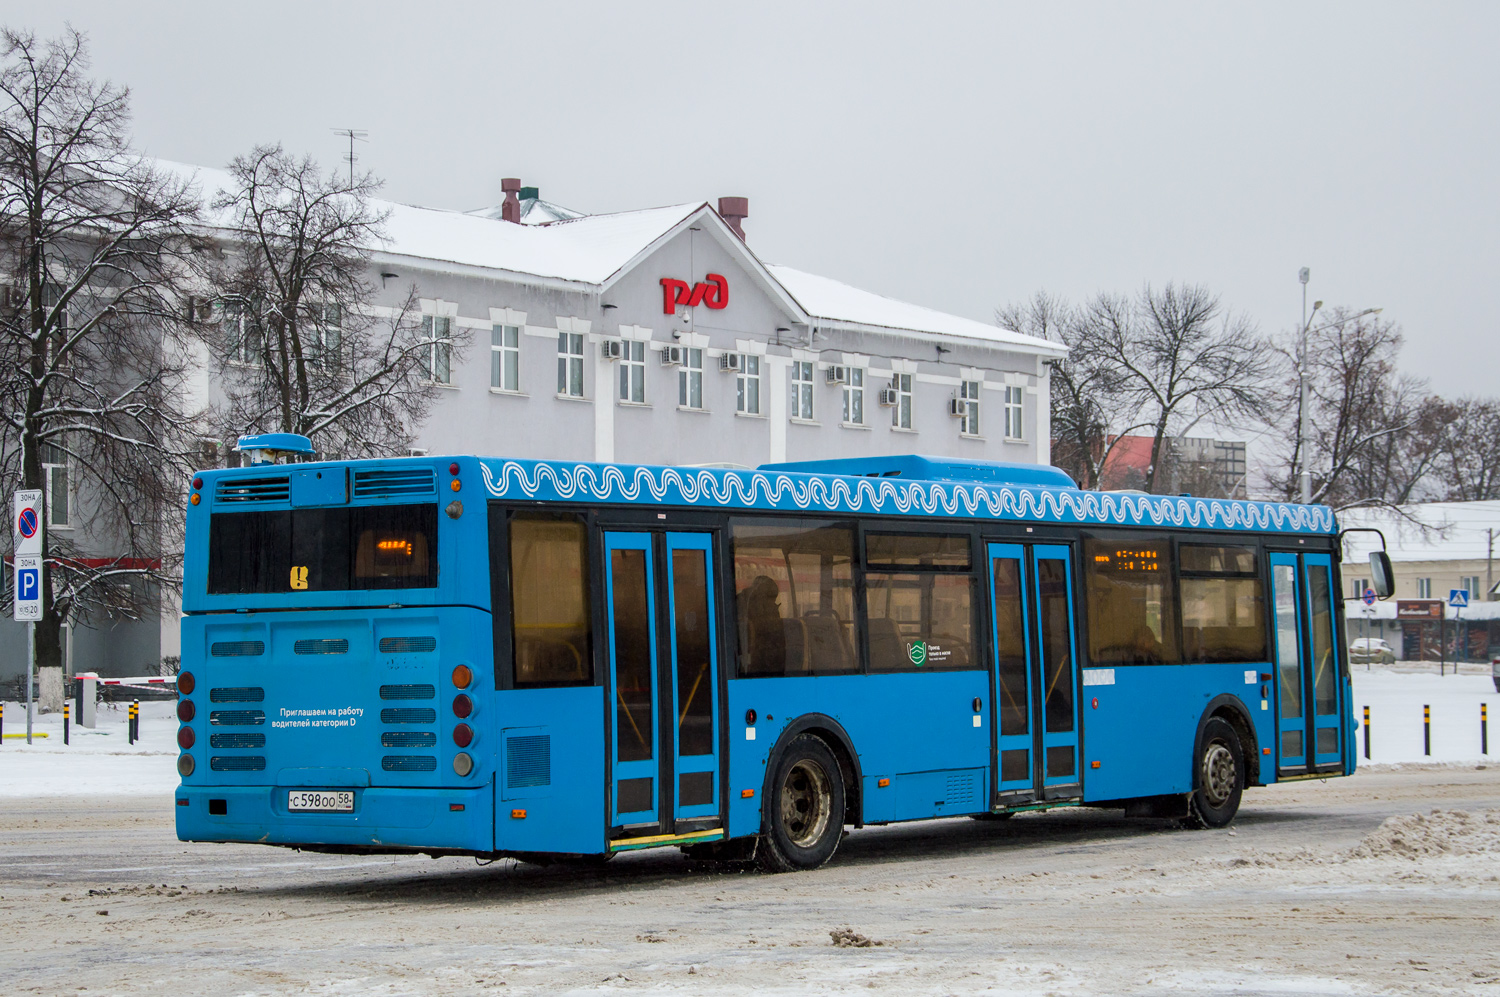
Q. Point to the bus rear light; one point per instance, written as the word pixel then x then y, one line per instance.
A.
pixel 453 468
pixel 185 710
pixel 463 764
pixel 186 683
pixel 195 498
pixel 455 486
pixel 455 807
pixel 462 676
pixel 462 706
pixel 185 765
pixel 463 735
pixel 197 482
pixel 185 737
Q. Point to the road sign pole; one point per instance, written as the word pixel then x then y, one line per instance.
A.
pixel 30 675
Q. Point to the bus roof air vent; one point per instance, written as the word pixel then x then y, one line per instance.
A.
pixel 274 488
pixel 915 466
pixel 395 481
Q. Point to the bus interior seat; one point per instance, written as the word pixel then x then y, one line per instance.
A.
pixel 886 647
pixel 827 648
pixel 796 647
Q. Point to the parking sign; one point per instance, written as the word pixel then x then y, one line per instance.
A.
pixel 27 532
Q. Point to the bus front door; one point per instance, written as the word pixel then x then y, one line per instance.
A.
pixel 1036 663
pixel 663 682
pixel 1308 677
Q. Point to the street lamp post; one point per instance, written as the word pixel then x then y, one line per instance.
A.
pixel 1304 486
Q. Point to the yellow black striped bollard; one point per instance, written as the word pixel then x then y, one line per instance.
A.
pixel 1484 728
pixel 1367 733
pixel 66 716
pixel 1426 729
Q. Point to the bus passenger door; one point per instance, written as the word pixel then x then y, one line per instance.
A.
pixel 694 675
pixel 1308 680
pixel 629 593
pixel 1036 666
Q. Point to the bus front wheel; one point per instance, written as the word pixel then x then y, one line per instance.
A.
pixel 803 818
pixel 1219 777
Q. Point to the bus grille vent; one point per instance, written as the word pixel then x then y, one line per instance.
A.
pixel 408 715
pixel 407 692
pixel 323 645
pixel 237 763
pixel 408 763
pixel 406 481
pixel 961 791
pixel 408 739
pixel 237 718
pixel 407 645
pixel 245 694
pixel 528 761
pixel 236 740
pixel 275 489
pixel 237 648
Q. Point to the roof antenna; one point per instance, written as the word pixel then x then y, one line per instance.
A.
pixel 352 134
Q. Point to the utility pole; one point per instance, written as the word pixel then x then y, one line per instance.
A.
pixel 1489 563
pixel 352 134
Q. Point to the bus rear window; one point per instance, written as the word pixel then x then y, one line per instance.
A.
pixel 322 550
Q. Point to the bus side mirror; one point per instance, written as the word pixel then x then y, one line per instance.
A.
pixel 1382 579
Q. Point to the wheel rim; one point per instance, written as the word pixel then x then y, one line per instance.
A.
pixel 1218 773
pixel 805 803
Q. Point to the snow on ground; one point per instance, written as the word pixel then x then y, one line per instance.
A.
pixel 102 761
pixel 97 761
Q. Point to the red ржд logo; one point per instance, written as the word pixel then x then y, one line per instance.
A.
pixel 714 293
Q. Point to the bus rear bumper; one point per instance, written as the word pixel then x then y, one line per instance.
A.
pixel 383 817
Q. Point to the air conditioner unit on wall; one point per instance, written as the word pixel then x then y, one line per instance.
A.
pixel 611 349
pixel 671 356
pixel 838 375
pixel 956 406
pixel 731 361
pixel 889 396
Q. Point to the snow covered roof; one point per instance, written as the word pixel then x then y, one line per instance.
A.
pixel 534 211
pixel 1355 610
pixel 1442 531
pixel 591 249
pixel 836 303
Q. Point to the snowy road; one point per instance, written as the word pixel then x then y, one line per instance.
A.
pixel 1072 901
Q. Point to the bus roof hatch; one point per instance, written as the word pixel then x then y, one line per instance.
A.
pixel 990 472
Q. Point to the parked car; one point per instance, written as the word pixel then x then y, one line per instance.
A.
pixel 1370 649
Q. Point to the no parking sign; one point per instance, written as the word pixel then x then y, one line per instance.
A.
pixel 26 524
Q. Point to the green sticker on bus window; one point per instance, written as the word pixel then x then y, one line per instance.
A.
pixel 917 652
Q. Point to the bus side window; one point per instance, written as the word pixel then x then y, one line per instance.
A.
pixel 919 596
pixel 794 599
pixel 549 575
pixel 1132 616
pixel 1223 605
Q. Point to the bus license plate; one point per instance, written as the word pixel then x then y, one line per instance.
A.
pixel 312 799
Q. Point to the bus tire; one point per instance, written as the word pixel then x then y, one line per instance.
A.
pixel 803 818
pixel 1218 777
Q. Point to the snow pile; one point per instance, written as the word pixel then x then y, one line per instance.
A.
pixel 1442 832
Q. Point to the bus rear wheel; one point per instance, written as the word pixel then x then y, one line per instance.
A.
pixel 803 818
pixel 1219 777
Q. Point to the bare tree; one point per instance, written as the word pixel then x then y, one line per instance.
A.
pixel 303 346
pixel 1372 431
pixel 93 246
pixel 1469 461
pixel 1179 359
pixel 1086 395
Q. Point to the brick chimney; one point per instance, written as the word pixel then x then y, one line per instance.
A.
pixel 735 210
pixel 510 210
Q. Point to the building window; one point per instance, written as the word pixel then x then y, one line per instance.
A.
pixel 1359 585
pixel 901 414
pixel 1424 588
pixel 505 357
pixel 437 349
pixel 570 364
pixel 325 332
pixel 55 480
pixel 633 372
pixel 802 389
pixel 854 397
pixel 968 395
pixel 1471 583
pixel 242 335
pixel 747 386
pixel 690 379
pixel 1013 426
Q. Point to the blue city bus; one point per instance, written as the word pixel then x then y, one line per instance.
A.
pixel 549 659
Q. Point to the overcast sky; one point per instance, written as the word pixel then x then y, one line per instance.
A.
pixel 960 156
